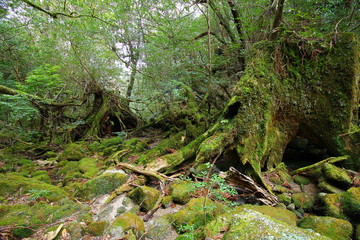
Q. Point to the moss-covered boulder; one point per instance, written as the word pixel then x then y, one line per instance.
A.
pixel 351 203
pixel 35 216
pixel 336 176
pixel 332 206
pixel 145 196
pixel 249 224
pixel 197 212
pixel 13 183
pixel 73 152
pixel 333 228
pixel 96 228
pixel 181 191
pixel 89 168
pixel 102 184
pixel 127 223
pixel 280 214
pixel 303 200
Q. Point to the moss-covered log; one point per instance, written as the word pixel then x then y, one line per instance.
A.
pixel 289 88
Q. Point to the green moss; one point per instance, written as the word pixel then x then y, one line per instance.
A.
pixel 127 222
pixel 73 152
pixel 351 203
pixel 102 184
pixel 301 180
pixel 333 228
pixel 285 176
pixel 357 232
pixel 34 216
pixel 336 175
pixel 50 154
pixel 326 187
pixel 249 224
pixel 174 142
pixel 96 228
pixel 280 189
pixel 13 183
pixel 303 200
pixel 332 206
pixel 284 198
pixel 145 196
pixel 166 201
pixel 196 213
pixel 44 177
pixel 135 145
pixel 89 168
pixel 181 191
pixel 75 229
pixel 280 214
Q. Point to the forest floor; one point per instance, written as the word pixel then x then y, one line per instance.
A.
pixel 100 190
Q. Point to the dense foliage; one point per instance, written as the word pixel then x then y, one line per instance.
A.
pixel 154 54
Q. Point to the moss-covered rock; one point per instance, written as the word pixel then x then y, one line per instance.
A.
pixel 102 184
pixel 249 224
pixel 75 229
pixel 351 203
pixel 280 189
pixel 96 228
pixel 161 228
pixel 280 214
pixel 285 176
pixel 127 223
pixel 89 168
pixel 303 200
pixel 301 180
pixel 181 191
pixel 336 176
pixel 284 198
pixel 34 216
pixel 197 212
pixel 332 206
pixel 13 183
pixel 357 232
pixel 145 196
pixel 135 145
pixel 327 187
pixel 333 228
pixel 73 152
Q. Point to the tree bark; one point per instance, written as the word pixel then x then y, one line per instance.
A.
pixel 288 89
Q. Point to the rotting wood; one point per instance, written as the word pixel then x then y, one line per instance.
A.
pixel 327 160
pixel 238 179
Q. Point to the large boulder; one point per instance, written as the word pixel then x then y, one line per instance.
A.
pixel 249 224
pixel 333 228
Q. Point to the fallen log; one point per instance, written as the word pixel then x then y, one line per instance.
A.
pixel 327 160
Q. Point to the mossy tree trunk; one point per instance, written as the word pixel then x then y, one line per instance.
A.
pixel 110 114
pixel 289 89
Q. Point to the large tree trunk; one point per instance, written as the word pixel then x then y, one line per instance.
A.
pixel 289 88
pixel 110 114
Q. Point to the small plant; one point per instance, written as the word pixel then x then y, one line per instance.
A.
pixel 37 193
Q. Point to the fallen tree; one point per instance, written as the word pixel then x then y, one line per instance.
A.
pixel 290 88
